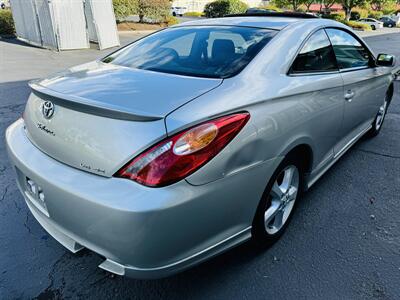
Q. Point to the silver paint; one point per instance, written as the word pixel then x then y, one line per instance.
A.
pixel 152 232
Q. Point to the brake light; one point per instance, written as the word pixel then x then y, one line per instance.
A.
pixel 178 156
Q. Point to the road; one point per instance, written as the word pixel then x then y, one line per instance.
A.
pixel 343 242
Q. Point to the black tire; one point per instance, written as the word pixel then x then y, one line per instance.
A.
pixel 374 131
pixel 260 236
pixel 373 27
pixel 174 14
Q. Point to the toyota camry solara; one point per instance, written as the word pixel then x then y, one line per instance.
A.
pixel 195 138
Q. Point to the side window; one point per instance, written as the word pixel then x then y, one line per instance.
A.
pixel 315 56
pixel 348 50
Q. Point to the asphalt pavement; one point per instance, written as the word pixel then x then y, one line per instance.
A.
pixel 343 242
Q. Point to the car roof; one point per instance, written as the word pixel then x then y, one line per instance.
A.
pixel 268 22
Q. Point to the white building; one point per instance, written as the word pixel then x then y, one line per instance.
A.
pixel 198 5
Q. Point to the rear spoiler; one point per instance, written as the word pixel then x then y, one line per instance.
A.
pixel 89 106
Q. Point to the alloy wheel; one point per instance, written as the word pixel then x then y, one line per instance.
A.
pixel 283 195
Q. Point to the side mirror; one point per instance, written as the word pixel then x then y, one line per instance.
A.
pixel 385 60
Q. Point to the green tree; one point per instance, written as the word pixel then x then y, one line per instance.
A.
pixel 308 4
pixel 294 4
pixel 327 4
pixel 379 5
pixel 348 5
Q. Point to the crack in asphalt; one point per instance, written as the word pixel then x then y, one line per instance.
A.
pixel 17 206
pixel 4 194
pixel 377 153
pixel 26 222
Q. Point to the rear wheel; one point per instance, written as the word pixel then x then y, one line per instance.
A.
pixel 390 25
pixel 278 201
pixel 373 27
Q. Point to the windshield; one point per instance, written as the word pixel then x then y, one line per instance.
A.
pixel 204 51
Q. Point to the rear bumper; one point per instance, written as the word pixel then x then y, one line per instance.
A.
pixel 142 232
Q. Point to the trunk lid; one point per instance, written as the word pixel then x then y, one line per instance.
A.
pixel 102 115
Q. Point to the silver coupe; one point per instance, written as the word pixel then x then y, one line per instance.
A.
pixel 196 138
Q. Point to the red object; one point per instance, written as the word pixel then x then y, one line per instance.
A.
pixel 317 7
pixel 160 165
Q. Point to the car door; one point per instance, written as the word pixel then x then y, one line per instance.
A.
pixel 316 70
pixel 364 87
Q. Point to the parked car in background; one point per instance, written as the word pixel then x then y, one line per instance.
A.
pixel 388 22
pixel 374 23
pixel 196 138
pixel 178 11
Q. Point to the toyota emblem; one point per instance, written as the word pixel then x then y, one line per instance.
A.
pixel 47 109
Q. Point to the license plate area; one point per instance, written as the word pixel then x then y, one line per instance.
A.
pixel 36 195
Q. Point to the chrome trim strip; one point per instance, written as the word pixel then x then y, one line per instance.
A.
pixel 313 73
pixel 355 69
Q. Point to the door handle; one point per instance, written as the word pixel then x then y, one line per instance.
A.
pixel 349 95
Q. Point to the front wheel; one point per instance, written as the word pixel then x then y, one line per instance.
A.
pixel 390 25
pixel 277 203
pixel 373 27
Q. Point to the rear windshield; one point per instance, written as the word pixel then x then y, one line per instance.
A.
pixel 202 51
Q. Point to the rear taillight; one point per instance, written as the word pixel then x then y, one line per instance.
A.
pixel 182 154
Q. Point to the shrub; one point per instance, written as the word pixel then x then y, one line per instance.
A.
pixel 375 14
pixel 337 16
pixel 156 10
pixel 6 22
pixel 193 14
pixel 357 25
pixel 170 20
pixel 221 8
pixel 124 8
pixel 361 12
